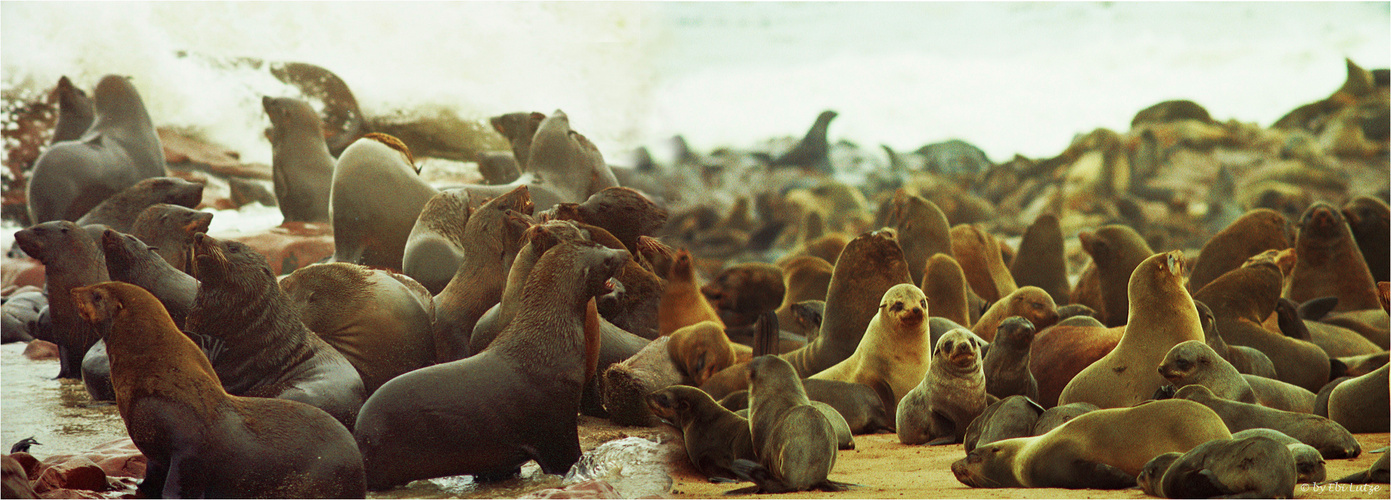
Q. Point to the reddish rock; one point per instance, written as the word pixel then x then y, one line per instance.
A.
pixel 290 246
pixel 21 272
pixel 41 350
pixel 14 482
pixel 66 493
pixel 31 465
pixel 587 489
pixel 74 473
pixel 185 153
pixel 119 458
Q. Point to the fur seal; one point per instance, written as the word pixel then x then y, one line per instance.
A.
pixel 1042 259
pixel 1246 360
pixel 71 259
pixel 682 303
pixel 1378 472
pixel 895 349
pixel 1194 362
pixel 714 437
pixel 805 278
pixel 623 212
pixel 1254 232
pixel 259 345
pixel 944 283
pixel 1162 314
pixel 979 256
pixel 863 408
pixel 1011 417
pixel 1370 221
pixel 743 291
pixel 75 112
pixel 1330 263
pixel 702 349
pixel 518 400
pixel 1006 364
pixel 518 128
pixel 923 231
pixel 122 210
pixel 1361 404
pixel 535 241
pixel 301 166
pixel 494 236
pixel 870 265
pixel 376 197
pixel 811 153
pixel 795 444
pixel 1059 415
pixel 1240 300
pixel 198 440
pixel 1308 463
pixel 1031 303
pixel 1102 449
pixel 379 320
pixel 562 165
pixel 498 168
pixel 169 229
pixel 1116 251
pixel 131 261
pixel 343 120
pixel 436 243
pixel 118 150
pixel 942 405
pixel 625 384
pixel 1327 436
pixel 1061 351
pixel 1250 467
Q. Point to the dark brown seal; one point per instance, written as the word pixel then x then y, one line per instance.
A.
pixel 257 342
pixel 1062 351
pixel 518 128
pixel 118 150
pixel 714 436
pixel 301 166
pixel 1011 417
pixel 623 212
pixel 1370 221
pixel 743 291
pixel 1247 360
pixel 376 197
pixel 123 209
pixel 169 229
pixel 806 278
pixel 518 400
pixel 1102 449
pixel 1042 259
pixel 75 112
pixel 494 236
pixel 795 443
pixel 1330 262
pixel 870 265
pixel 1361 404
pixel 1116 251
pixel 1006 365
pixel 379 320
pixel 131 261
pixel 1330 438
pixel 198 440
pixel 810 154
pixel 71 259
pixel 950 396
pixel 1258 230
pixel 1250 467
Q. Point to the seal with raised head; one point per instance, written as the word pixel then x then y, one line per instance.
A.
pixel 949 397
pixel 923 231
pixel 811 153
pixel 1370 221
pixel 75 113
pixel 714 436
pixel 518 400
pixel 122 210
pixel 1162 314
pixel 1327 436
pixel 682 303
pixel 518 128
pixel 1030 302
pixel 1006 364
pixel 379 320
pixel 535 241
pixel 944 283
pixel 1116 251
pixel 1042 260
pixel 979 256
pixel 198 440
pixel 131 261
pixel 301 166
pixel 1330 263
pixel 169 230
pixel 118 150
pixel 377 195
pixel 870 265
pixel 795 443
pixel 1193 362
pixel 257 342
pixel 896 348
pixel 1256 231
pixel 1249 467
pixel 71 259
pixel 1103 449
pixel 805 278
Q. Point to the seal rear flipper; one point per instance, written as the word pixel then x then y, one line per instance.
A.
pixel 1316 309
pixel 759 475
pixel 830 485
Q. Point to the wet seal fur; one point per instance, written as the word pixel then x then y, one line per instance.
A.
pixel 259 345
pixel 301 166
pixel 71 259
pixel 198 440
pixel 515 401
pixel 949 397
pixel 1103 449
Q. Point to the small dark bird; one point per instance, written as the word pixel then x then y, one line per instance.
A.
pixel 23 445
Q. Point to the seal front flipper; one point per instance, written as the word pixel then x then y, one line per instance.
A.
pixel 1291 324
pixel 1104 477
pixel 1316 309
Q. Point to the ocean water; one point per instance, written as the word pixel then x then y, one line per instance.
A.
pixel 1010 77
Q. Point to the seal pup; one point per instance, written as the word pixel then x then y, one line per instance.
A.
pixel 122 210
pixel 1162 314
pixel 1308 462
pixel 714 436
pixel 949 397
pixel 1006 364
pixel 198 440
pixel 795 444
pixel 1011 417
pixel 870 265
pixel 895 349
pixel 703 349
pixel 1327 436
pixel 376 197
pixel 301 166
pixel 71 259
pixel 682 303
pixel 1254 467
pixel 1193 362
pixel 1102 449
pixel 260 347
pixel 515 401
pixel 118 150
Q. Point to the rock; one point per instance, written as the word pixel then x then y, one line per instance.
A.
pixel 72 473
pixel 21 272
pixel 119 458
pixel 290 246
pixel 14 482
pixel 41 350
pixel 586 489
